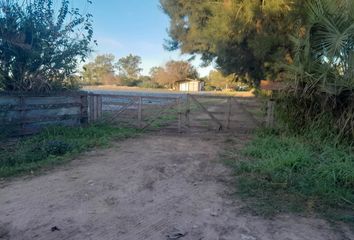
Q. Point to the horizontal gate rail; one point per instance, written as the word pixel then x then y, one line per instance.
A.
pixel 131 103
pixel 142 96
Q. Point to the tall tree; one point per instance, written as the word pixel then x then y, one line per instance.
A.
pixel 40 48
pixel 172 72
pixel 219 80
pixel 154 71
pixel 180 70
pixel 100 71
pixel 160 76
pixel 129 66
pixel 249 38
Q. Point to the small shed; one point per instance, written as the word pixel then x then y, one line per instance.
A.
pixel 190 85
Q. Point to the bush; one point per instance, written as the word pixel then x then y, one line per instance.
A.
pixel 149 84
pixel 209 88
pixel 57 147
pixel 40 52
pixel 129 82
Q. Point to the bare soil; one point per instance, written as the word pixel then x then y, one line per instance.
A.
pixel 157 186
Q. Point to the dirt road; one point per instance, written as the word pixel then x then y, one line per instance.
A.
pixel 158 186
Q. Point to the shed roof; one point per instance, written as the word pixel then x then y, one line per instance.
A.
pixel 188 80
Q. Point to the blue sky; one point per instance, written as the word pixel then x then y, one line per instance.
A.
pixel 139 27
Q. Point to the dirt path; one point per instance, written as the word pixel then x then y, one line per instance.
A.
pixel 144 189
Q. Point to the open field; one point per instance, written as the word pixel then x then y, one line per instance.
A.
pixel 136 91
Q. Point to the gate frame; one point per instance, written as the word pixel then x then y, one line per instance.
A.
pixel 95 107
pixel 228 109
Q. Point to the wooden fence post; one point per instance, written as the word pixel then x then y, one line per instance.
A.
pixel 270 114
pixel 95 107
pixel 140 112
pixel 91 108
pixel 84 109
pixel 99 107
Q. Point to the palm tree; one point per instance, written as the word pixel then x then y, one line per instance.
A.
pixel 323 67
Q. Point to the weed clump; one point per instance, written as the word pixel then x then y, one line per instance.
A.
pixel 286 170
pixel 56 145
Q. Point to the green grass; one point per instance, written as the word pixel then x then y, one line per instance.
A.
pixel 55 146
pixel 157 121
pixel 282 172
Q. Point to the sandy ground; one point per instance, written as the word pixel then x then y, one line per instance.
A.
pixel 157 186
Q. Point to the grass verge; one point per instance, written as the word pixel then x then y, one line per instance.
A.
pixel 55 146
pixel 281 172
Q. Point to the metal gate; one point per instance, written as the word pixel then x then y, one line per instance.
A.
pixel 220 113
pixel 178 112
pixel 140 111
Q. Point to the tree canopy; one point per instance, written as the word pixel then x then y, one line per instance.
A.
pixel 172 72
pixel 41 46
pixel 248 38
pixel 218 80
pixel 100 71
pixel 129 66
pixel 307 42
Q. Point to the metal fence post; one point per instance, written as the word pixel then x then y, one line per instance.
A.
pixel 188 111
pixel 270 114
pixel 179 108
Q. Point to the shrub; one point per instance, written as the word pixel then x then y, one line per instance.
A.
pixel 57 147
pixel 149 84
pixel 129 82
pixel 321 80
pixel 40 51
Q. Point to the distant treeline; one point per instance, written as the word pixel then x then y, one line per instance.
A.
pixel 105 70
